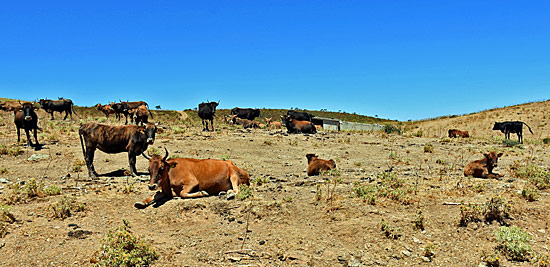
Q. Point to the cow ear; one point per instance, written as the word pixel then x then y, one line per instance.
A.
pixel 486 155
pixel 160 130
pixel 173 165
pixel 499 155
pixel 141 130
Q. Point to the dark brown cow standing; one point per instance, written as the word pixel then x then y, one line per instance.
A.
pixel 483 168
pixel 315 165
pixel 189 178
pixel 115 139
pixel 27 119
pixel 140 115
pixel 458 133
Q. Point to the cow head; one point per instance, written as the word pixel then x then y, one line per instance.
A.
pixel 158 170
pixel 497 126
pixel 492 159
pixel 285 119
pixel 149 130
pixel 310 157
pixel 28 110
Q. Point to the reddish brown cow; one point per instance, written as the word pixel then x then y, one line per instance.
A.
pixel 115 139
pixel 457 133
pixel 106 109
pixel 315 165
pixel 483 168
pixel 296 126
pixel 189 178
pixel 10 106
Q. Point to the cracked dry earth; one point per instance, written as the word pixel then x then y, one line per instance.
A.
pixel 291 219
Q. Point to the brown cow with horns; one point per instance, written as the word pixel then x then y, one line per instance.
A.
pixel 189 178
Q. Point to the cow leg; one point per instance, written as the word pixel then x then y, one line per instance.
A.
pixel 204 128
pixel 90 161
pixel 234 178
pixel 18 134
pixel 29 141
pixel 132 161
pixel 66 114
pixel 520 138
pixel 51 113
pixel 187 188
pixel 158 196
pixel 35 137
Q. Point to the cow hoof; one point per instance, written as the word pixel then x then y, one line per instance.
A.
pixel 140 205
pixel 230 195
pixel 204 194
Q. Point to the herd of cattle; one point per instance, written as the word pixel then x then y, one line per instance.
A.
pixel 197 177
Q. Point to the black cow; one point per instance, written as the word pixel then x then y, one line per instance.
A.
pixel 27 119
pixel 64 105
pixel 246 113
pixel 299 115
pixel 120 109
pixel 207 112
pixel 508 127
pixel 115 139
pixel 297 126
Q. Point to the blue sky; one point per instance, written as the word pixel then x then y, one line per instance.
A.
pixel 395 59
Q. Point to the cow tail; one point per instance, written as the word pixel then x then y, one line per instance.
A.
pixel 74 111
pixel 528 128
pixel 82 143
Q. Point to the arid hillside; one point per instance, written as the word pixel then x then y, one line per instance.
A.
pixel 394 199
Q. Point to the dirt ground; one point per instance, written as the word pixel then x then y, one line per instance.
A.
pixel 291 219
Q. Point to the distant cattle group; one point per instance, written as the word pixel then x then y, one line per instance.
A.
pixel 188 178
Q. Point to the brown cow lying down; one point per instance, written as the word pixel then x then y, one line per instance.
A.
pixel 483 168
pixel 245 123
pixel 316 165
pixel 457 133
pixel 190 178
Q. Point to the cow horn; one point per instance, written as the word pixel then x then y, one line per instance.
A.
pixel 145 156
pixel 20 103
pixel 166 155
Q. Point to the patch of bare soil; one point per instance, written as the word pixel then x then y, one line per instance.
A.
pixel 291 219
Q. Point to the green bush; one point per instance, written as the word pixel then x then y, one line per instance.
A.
pixel 546 140
pixel 511 143
pixel 244 192
pixel 514 243
pixel 122 248
pixel 428 148
pixel 538 176
pixel 388 128
pixel 65 207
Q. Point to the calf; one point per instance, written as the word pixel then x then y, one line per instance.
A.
pixel 115 139
pixel 106 109
pixel 189 178
pixel 315 165
pixel 508 127
pixel 27 119
pixel 457 133
pixel 273 124
pixel 296 126
pixel 63 105
pixel 483 168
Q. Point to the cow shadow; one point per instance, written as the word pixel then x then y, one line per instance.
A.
pixel 161 202
pixel 120 173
